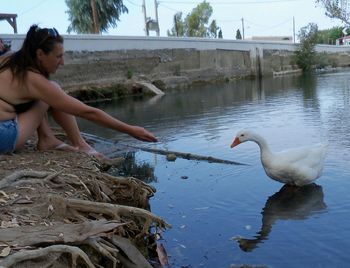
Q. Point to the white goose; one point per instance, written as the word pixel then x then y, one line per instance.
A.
pixel 298 166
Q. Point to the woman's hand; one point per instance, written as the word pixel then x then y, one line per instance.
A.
pixel 142 134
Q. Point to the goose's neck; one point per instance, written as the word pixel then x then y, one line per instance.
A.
pixel 264 148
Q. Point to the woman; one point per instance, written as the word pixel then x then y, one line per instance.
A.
pixel 26 94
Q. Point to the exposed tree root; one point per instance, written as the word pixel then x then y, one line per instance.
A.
pixel 60 212
pixel 15 178
pixel 117 212
pixel 115 249
pixel 22 256
pixel 55 233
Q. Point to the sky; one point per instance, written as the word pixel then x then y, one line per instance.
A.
pixel 255 17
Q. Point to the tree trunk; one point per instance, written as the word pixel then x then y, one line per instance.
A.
pixel 96 27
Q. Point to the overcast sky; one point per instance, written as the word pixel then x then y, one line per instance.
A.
pixel 259 17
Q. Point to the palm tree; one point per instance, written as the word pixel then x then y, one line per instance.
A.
pixel 94 16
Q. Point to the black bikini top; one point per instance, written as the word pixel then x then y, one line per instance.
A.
pixel 21 107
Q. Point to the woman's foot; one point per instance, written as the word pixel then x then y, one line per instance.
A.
pixel 86 148
pixel 65 147
pixel 54 144
pixel 93 152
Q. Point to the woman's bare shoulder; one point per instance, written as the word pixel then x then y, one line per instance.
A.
pixel 36 78
pixel 37 83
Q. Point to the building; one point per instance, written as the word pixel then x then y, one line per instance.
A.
pixel 343 41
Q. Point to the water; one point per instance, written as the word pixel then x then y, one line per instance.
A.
pixel 211 206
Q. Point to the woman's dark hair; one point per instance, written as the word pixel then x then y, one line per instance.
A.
pixel 24 59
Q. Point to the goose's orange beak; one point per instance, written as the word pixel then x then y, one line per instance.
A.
pixel 235 142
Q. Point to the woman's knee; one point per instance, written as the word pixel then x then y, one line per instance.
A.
pixel 32 118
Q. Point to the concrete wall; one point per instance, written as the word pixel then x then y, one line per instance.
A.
pixel 89 42
pixel 103 61
pixel 109 42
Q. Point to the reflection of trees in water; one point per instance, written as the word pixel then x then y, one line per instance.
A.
pixel 308 83
pixel 289 203
pixel 143 171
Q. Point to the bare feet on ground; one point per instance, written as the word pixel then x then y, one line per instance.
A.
pixel 56 144
pixel 86 148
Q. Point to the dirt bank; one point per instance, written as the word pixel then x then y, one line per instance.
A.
pixel 59 209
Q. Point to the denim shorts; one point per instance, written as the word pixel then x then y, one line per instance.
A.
pixel 8 135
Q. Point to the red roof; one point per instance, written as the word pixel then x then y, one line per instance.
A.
pixel 344 37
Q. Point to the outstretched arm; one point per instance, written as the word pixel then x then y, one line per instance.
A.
pixel 54 96
pixel 104 119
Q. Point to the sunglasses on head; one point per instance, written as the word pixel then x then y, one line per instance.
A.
pixel 50 32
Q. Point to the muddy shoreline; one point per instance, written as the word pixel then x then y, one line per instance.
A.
pixel 63 209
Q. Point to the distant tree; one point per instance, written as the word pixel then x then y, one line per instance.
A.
pixel 335 10
pixel 94 16
pixel 197 20
pixel 220 34
pixel 213 29
pixel 238 35
pixel 196 23
pixel 306 54
pixel 329 36
pixel 178 28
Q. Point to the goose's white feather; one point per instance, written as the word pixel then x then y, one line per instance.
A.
pixel 298 166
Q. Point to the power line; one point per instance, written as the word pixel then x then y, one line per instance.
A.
pixel 134 4
pixel 176 10
pixel 270 27
pixel 229 20
pixel 34 7
pixel 230 3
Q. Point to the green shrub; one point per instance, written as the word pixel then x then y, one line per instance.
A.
pixel 129 74
pixel 306 54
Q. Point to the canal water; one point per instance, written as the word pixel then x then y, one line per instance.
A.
pixel 231 215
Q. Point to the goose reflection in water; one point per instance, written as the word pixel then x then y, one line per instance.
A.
pixel 289 203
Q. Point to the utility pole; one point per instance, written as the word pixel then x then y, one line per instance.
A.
pixel 96 27
pixel 156 13
pixel 145 17
pixel 150 24
pixel 293 29
pixel 242 29
pixel 176 26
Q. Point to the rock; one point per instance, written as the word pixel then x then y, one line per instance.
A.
pixel 171 157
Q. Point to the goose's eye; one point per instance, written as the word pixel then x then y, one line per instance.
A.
pixel 242 135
